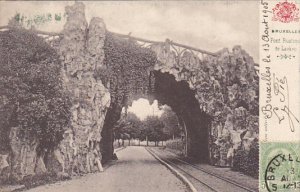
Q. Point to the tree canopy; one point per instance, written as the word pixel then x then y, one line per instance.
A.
pixel 170 120
pixel 129 126
pixel 153 128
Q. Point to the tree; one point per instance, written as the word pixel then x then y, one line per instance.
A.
pixel 171 124
pixel 153 129
pixel 128 127
pixel 31 88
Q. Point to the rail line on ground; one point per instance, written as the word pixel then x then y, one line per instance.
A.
pixel 203 177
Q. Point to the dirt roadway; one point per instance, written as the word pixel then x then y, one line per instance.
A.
pixel 135 171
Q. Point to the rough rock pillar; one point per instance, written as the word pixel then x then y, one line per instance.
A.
pixel 82 53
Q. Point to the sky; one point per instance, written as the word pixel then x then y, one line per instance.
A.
pixel 142 108
pixel 208 25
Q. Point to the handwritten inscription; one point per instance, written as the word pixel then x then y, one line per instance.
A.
pixel 267 109
pixel 281 89
pixel 40 19
pixel 278 87
pixel 266 32
pixel 275 105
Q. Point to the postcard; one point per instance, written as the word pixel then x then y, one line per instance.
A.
pixel 150 96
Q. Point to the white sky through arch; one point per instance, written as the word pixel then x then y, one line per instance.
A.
pixel 142 108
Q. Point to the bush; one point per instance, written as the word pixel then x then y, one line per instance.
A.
pixel 31 181
pixel 176 144
pixel 253 160
pixel 240 160
pixel 247 162
pixel 31 85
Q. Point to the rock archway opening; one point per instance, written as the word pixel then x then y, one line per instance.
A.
pixel 214 95
pixel 147 124
pixel 181 99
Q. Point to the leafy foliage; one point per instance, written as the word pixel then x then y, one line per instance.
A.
pixel 128 127
pixel 239 160
pixel 31 85
pixel 128 67
pixel 152 127
pixel 253 159
pixel 176 144
pixel 247 163
pixel 170 121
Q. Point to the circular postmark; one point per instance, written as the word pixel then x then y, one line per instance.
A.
pixel 282 168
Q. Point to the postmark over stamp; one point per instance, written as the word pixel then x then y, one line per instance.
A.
pixel 280 167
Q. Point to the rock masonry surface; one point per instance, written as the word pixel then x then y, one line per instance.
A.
pixel 226 87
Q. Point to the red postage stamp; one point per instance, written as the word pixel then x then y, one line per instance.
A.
pixel 286 12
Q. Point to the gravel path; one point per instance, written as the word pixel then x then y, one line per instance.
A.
pixel 135 171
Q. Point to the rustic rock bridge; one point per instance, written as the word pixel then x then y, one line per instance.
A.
pixel 215 95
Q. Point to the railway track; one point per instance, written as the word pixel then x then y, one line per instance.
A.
pixel 201 179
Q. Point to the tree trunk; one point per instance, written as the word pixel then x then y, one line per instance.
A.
pixel 147 140
pixel 129 142
pixel 123 142
pixel 139 142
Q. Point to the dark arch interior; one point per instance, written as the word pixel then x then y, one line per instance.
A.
pixel 182 100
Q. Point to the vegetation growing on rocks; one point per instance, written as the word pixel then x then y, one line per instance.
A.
pixel 212 96
pixel 128 69
pixel 32 97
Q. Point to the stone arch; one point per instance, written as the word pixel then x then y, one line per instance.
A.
pixel 181 99
pixel 222 88
pixel 225 86
pixel 222 91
